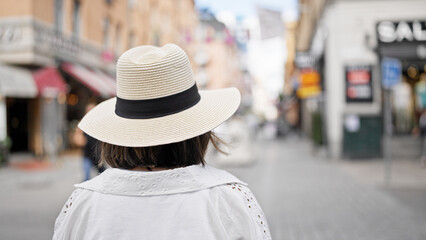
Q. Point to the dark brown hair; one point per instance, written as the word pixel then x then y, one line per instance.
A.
pixel 180 154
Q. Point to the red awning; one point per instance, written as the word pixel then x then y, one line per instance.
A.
pixel 49 82
pixel 97 84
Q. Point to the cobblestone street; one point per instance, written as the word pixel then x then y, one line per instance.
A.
pixel 303 197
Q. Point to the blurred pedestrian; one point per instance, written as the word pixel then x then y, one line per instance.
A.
pixel 88 143
pixel 154 135
pixel 403 106
pixel 422 127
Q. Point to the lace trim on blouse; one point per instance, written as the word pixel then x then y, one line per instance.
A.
pixel 254 209
pixel 138 183
pixel 67 208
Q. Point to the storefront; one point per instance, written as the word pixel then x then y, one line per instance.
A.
pixel 405 42
pixel 39 108
pixel 309 90
pixel 32 103
pixel 17 99
pixel 358 36
pixel 87 85
pixel 53 78
pixel 52 91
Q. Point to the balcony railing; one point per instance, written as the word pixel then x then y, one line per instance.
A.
pixel 31 41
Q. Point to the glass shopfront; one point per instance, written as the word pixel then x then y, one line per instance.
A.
pixel 406 41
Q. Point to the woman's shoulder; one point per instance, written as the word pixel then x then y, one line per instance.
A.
pixel 235 194
pixel 71 211
pixel 236 205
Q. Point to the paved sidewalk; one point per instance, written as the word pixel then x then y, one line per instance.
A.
pixel 306 197
pixel 31 200
pixel 303 196
pixel 407 183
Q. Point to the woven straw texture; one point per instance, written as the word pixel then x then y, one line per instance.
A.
pixel 149 72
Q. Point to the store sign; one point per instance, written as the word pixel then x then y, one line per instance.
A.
pixel 391 72
pixel 359 83
pixel 309 83
pixel 304 60
pixel 309 78
pixel 402 31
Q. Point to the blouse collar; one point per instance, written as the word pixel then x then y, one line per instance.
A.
pixel 140 183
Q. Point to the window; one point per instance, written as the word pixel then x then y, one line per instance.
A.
pixel 132 40
pixel 76 26
pixel 131 4
pixel 156 39
pixel 106 32
pixel 59 15
pixel 118 39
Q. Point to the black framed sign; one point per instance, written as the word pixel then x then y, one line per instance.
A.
pixel 359 87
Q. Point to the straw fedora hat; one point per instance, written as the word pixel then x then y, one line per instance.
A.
pixel 157 101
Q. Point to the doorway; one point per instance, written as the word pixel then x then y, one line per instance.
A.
pixel 17 123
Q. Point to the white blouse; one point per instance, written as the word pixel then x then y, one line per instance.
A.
pixel 187 203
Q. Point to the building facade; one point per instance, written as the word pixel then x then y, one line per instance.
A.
pixel 58 55
pixel 217 56
pixel 303 83
pixel 363 44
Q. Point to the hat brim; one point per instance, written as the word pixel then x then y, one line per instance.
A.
pixel 215 107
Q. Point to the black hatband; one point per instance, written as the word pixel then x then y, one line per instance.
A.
pixel 157 107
